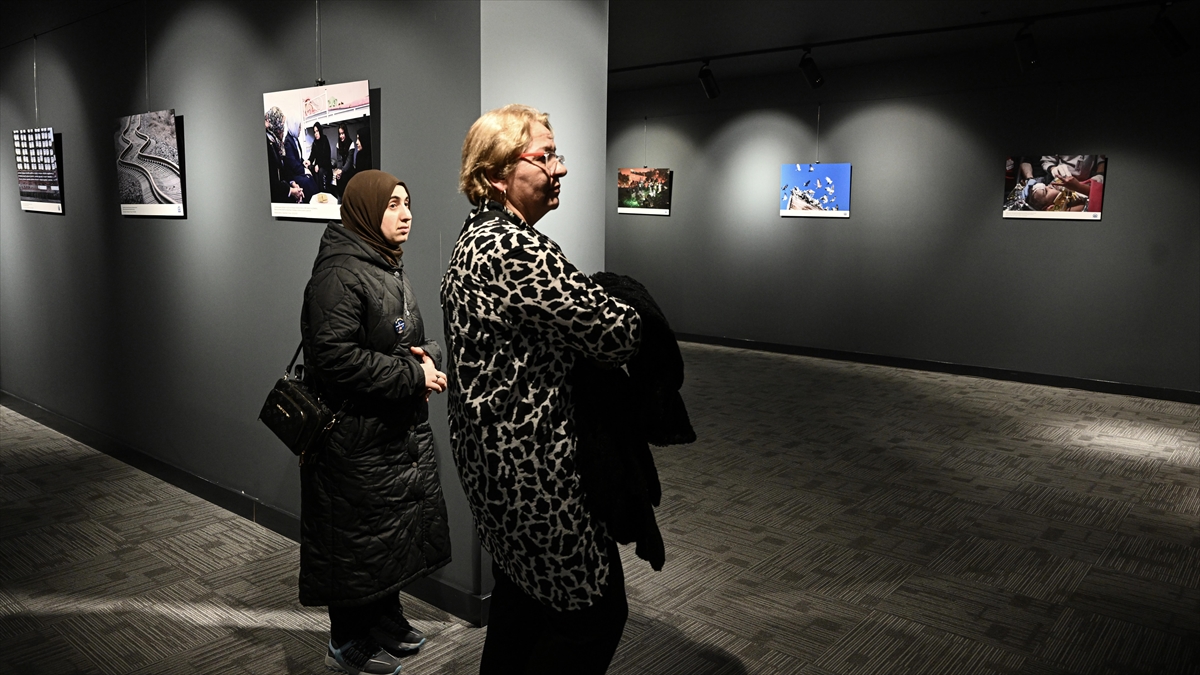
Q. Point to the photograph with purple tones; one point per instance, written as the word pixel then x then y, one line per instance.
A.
pixel 317 138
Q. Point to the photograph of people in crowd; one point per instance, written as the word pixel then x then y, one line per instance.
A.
pixel 644 191
pixel 317 139
pixel 1054 186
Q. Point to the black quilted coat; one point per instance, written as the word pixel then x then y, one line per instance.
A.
pixel 372 518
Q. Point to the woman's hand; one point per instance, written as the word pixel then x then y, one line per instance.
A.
pixel 435 380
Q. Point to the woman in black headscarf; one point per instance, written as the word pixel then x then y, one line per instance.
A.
pixel 362 150
pixel 357 157
pixel 344 145
pixel 320 159
pixel 373 518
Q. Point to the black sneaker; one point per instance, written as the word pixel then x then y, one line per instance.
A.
pixel 361 657
pixel 395 634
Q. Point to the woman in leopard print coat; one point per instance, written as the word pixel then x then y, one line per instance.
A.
pixel 518 314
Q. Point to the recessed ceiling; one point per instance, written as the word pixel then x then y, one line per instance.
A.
pixel 655 31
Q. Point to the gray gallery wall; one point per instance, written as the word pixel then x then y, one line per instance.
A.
pixel 563 71
pixel 165 335
pixel 926 268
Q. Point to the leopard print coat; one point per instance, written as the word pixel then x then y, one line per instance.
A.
pixel 517 316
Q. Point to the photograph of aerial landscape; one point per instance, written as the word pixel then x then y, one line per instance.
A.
pixel 149 173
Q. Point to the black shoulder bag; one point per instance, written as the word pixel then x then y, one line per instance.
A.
pixel 295 413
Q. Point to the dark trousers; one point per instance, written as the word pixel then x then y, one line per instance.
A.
pixel 526 637
pixel 355 622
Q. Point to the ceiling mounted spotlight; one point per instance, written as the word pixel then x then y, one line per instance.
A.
pixel 809 67
pixel 1027 55
pixel 1170 36
pixel 709 82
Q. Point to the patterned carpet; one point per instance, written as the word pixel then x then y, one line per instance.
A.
pixel 833 519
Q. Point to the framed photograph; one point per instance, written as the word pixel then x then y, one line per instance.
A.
pixel 644 191
pixel 317 139
pixel 814 191
pixel 149 172
pixel 1069 187
pixel 39 170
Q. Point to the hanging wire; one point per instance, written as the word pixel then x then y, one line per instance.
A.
pixel 818 134
pixel 146 51
pixel 317 38
pixel 36 119
pixel 645 153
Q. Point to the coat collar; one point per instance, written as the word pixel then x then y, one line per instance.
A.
pixel 338 240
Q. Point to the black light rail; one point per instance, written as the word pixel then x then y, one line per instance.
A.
pixel 1022 20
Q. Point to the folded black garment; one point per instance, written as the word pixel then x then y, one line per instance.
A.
pixel 618 415
pixel 657 369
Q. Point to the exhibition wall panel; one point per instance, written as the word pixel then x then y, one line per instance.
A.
pixel 165 335
pixel 926 268
pixel 561 69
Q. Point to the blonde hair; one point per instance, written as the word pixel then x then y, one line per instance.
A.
pixel 492 145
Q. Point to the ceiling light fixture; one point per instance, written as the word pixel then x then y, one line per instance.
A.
pixel 709 81
pixel 1170 36
pixel 1024 36
pixel 1027 56
pixel 811 73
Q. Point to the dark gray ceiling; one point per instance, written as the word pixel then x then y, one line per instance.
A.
pixel 25 18
pixel 654 31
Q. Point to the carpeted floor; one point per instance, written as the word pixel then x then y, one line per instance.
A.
pixel 833 518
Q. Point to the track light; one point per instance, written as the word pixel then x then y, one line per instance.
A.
pixel 709 82
pixel 1170 36
pixel 809 67
pixel 1027 55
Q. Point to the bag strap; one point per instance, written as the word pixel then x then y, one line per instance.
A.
pixel 337 416
pixel 291 372
pixel 292 364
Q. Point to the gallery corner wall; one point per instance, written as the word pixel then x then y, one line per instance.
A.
pixel 926 269
pixel 163 336
pixel 559 67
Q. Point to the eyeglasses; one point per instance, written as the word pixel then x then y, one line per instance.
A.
pixel 545 157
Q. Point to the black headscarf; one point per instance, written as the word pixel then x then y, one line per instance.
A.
pixel 319 154
pixel 363 204
pixel 343 146
pixel 362 160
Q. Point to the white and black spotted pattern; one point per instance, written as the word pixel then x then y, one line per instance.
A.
pixel 518 314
